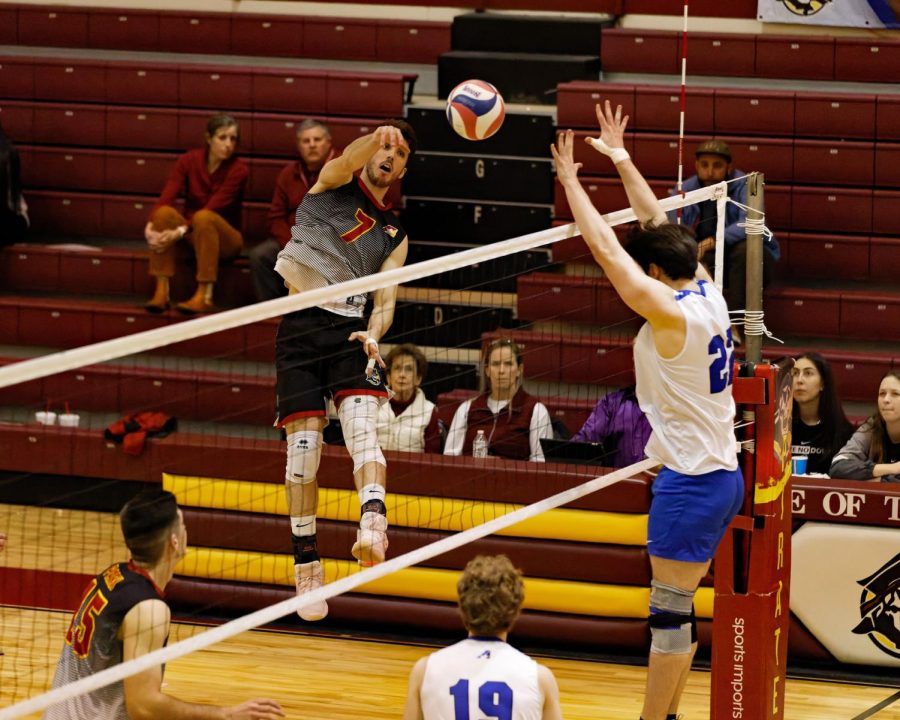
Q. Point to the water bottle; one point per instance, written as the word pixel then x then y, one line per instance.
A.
pixel 480 445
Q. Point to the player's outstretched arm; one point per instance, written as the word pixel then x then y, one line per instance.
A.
pixel 612 143
pixel 145 629
pixel 647 297
pixel 339 171
pixel 547 682
pixel 413 708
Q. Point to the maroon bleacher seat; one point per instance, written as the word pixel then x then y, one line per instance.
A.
pixel 887 126
pixel 152 388
pixel 9 320
pixel 272 134
pixel 721 54
pixel 575 102
pixel 869 315
pixel 778 205
pixel 831 209
pixel 52 323
pixel 121 29
pixel 138 172
pixel 124 216
pixel 772 156
pixel 550 296
pixel 640 51
pixel 298 91
pixel 411 42
pixel 54 26
pixel 884 259
pixel 215 87
pixel 794 311
pixel 110 271
pixel 263 174
pixel 887 164
pixel 260 339
pixel 875 59
pixel 833 257
pixel 277 35
pixel 16 77
pixel 65 168
pixel 586 359
pixel 18 119
pixel 834 162
pixel 62 80
pixel 9 34
pixel 69 124
pixel 350 38
pixel 30 266
pixel 886 212
pixel 141 83
pixel 239 399
pixel 801 58
pixel 858 374
pixel 754 112
pixel 144 128
pixel 658 108
pixel 699 8
pixel 195 32
pixel 836 116
pixel 656 154
pixel 71 212
pixel 372 94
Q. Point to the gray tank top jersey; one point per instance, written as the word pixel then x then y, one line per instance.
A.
pixel 343 234
pixel 92 642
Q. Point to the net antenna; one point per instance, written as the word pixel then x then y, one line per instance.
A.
pixel 141 342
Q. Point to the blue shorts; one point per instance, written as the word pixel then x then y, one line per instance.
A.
pixel 689 513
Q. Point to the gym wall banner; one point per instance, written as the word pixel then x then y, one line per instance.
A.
pixel 845 588
pixel 844 13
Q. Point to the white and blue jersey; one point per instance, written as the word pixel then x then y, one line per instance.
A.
pixel 688 398
pixel 481 677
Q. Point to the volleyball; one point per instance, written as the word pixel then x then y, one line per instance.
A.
pixel 475 109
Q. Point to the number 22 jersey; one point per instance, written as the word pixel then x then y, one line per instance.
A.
pixel 481 678
pixel 92 642
pixel 688 398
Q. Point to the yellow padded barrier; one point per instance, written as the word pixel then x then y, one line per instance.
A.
pixel 561 596
pixel 449 514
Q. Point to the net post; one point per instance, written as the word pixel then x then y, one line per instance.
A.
pixel 753 562
pixel 754 279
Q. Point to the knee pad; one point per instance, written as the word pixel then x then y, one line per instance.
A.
pixel 671 619
pixel 358 414
pixel 304 450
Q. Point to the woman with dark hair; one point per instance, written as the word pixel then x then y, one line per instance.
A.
pixel 13 209
pixel 512 420
pixel 820 428
pixel 212 181
pixel 873 452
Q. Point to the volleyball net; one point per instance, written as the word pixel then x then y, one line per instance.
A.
pixel 189 406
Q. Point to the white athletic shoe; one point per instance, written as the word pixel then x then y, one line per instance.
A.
pixel 371 539
pixel 309 577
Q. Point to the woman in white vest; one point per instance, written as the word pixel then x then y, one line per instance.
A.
pixel 409 422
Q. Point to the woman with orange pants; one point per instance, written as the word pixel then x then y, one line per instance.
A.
pixel 212 180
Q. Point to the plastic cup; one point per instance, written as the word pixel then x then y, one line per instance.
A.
pixel 798 464
pixel 45 417
pixel 69 419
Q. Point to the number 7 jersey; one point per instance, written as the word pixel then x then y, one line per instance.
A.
pixel 480 678
pixel 688 398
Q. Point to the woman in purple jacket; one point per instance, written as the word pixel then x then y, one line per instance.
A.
pixel 618 418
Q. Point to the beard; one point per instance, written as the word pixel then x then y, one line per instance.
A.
pixel 374 175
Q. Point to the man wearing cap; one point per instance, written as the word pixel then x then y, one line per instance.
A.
pixel 713 165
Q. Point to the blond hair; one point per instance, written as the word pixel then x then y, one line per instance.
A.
pixel 491 592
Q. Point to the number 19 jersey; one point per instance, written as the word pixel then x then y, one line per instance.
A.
pixel 688 398
pixel 481 678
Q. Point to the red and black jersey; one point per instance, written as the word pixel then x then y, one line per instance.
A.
pixel 93 644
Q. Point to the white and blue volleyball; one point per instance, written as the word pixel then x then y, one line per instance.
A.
pixel 475 109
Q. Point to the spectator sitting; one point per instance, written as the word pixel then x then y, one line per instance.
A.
pixel 873 452
pixel 617 416
pixel 409 421
pixel 314 146
pixel 212 180
pixel 713 165
pixel 515 433
pixel 820 428
pixel 13 209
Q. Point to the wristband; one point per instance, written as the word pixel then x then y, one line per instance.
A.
pixel 617 155
pixel 371 340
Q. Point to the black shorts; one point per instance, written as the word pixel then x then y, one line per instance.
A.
pixel 315 361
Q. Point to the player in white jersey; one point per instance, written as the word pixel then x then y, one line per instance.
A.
pixel 684 367
pixel 482 676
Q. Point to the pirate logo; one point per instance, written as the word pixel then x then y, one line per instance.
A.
pixel 879 606
pixel 374 378
pixel 804 8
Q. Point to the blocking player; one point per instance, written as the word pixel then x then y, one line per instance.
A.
pixel 483 675
pixel 343 231
pixel 684 367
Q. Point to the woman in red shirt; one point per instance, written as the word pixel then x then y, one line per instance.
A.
pixel 212 181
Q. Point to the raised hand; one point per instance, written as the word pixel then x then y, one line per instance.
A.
pixel 564 157
pixel 612 125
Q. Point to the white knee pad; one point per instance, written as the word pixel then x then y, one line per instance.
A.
pixel 358 414
pixel 670 619
pixel 304 450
